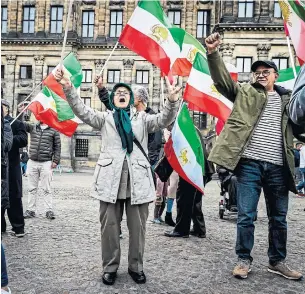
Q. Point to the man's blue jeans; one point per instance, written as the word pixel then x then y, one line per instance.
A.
pixel 301 185
pixel 252 176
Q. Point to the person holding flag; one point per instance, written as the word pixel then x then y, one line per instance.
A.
pixel 123 175
pixel 257 144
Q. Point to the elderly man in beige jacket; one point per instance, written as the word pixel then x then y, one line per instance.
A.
pixel 123 174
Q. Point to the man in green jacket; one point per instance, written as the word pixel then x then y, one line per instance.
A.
pixel 257 144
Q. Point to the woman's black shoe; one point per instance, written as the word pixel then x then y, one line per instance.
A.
pixel 109 278
pixel 139 278
pixel 196 234
pixel 176 234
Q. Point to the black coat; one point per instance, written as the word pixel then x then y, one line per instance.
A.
pixel 20 140
pixel 6 145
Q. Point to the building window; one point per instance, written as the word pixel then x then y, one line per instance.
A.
pixel 281 62
pixel 277 9
pixel 245 8
pixel 88 24
pixel 142 77
pixel 25 71
pixel 200 120
pixel 113 76
pixel 3 19
pixel 2 71
pixel 56 19
pixel 28 20
pixel 243 64
pixel 87 76
pixel 175 17
pixel 81 148
pixel 87 101
pixel 203 23
pixel 50 68
pixel 116 23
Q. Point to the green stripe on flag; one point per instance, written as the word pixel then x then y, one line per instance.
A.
pixel 73 66
pixel 188 129
pixel 201 64
pixel 298 9
pixel 178 36
pixel 189 39
pixel 154 7
pixel 64 111
pixel 287 74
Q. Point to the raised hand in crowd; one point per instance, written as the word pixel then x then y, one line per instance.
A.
pixel 212 42
pixel 173 90
pixel 98 81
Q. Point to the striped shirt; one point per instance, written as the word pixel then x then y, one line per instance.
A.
pixel 266 143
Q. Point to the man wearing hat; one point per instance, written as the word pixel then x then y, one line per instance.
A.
pixel 257 144
pixel 20 140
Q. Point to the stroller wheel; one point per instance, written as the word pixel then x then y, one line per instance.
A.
pixel 221 213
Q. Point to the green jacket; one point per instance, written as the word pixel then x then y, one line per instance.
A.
pixel 249 102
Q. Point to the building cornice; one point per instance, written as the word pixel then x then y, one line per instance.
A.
pixel 247 27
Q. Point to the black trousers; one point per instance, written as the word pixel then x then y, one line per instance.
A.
pixel 189 208
pixel 15 216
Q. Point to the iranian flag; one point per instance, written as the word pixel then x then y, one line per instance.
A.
pixel 150 34
pixel 201 91
pixel 286 78
pixel 294 22
pixel 50 105
pixel 184 151
pixel 183 64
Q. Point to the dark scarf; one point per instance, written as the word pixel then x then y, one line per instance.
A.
pixel 122 120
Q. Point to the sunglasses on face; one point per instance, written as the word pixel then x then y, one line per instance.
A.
pixel 265 73
pixel 119 93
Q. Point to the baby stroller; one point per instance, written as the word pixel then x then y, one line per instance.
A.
pixel 227 203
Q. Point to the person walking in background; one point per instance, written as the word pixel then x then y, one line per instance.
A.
pixel 297 172
pixel 301 185
pixel 45 151
pixel 15 210
pixel 24 161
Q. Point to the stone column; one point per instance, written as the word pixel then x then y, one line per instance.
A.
pixel 39 61
pixel 10 79
pixel 226 51
pixel 156 93
pixel 128 65
pixel 227 12
pixel 99 63
pixel 263 12
pixel 263 51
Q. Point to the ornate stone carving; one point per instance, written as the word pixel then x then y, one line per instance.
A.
pixel 227 49
pixel 39 59
pixel 263 51
pixel 117 2
pixel 11 59
pixel 128 63
pixel 175 2
pixel 99 63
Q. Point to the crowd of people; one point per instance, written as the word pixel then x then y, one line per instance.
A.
pixel 256 146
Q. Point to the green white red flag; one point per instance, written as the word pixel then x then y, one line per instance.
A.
pixel 286 77
pixel 50 105
pixel 184 150
pixel 150 34
pixel 201 93
pixel 294 22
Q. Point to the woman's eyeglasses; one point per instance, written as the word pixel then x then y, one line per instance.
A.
pixel 119 93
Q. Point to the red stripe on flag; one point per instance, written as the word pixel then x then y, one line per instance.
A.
pixel 219 126
pixel 146 47
pixel 174 162
pixel 53 85
pixel 181 67
pixel 206 103
pixel 49 117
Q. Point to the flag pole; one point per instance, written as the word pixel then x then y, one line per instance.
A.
pixel 66 34
pixel 116 45
pixel 291 57
pixel 30 94
pixel 23 110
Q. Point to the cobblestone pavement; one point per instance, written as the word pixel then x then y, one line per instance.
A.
pixel 63 255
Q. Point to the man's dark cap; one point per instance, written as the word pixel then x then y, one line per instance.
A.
pixel 266 63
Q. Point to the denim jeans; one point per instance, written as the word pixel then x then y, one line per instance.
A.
pixel 4 278
pixel 252 176
pixel 301 185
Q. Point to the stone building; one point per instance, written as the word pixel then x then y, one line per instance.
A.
pixel 32 35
